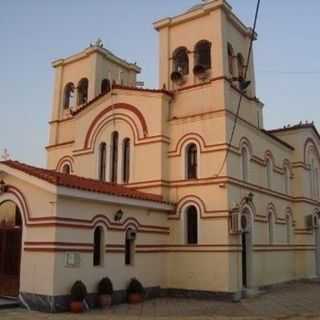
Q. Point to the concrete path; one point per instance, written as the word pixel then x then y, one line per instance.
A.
pixel 289 302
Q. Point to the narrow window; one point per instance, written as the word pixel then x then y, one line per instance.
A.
pixel 286 180
pixel 98 246
pixel 203 54
pixel 126 161
pixel 192 161
pixel 269 173
pixel 241 65
pixel 105 86
pixel 83 91
pixel 316 178
pixel 181 60
pixel 102 161
pixel 311 179
pixel 271 228
pixel 288 225
pixel 66 169
pixel 192 225
pixel 230 59
pixel 130 246
pixel 244 163
pixel 114 156
pixel 68 96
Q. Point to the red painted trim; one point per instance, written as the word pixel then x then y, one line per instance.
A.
pixel 62 244
pixel 53 221
pixel 65 160
pixel 56 249
pixel 135 132
pixel 116 106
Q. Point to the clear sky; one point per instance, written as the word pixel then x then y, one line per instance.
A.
pixel 35 32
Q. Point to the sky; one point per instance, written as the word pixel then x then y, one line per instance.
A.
pixel 33 33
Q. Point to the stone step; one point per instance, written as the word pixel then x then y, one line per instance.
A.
pixel 6 303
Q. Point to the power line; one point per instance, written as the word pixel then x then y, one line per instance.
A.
pixel 241 94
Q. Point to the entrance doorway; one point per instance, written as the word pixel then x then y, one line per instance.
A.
pixel 246 242
pixel 10 248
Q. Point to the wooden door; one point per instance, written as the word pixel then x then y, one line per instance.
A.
pixel 10 255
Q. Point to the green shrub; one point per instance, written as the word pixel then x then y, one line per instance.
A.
pixel 135 286
pixel 78 291
pixel 105 286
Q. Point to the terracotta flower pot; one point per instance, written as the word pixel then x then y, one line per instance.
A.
pixel 134 298
pixel 76 307
pixel 104 300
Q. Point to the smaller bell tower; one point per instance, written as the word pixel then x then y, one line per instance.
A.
pixel 82 77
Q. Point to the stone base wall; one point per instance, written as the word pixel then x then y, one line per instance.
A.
pixel 54 304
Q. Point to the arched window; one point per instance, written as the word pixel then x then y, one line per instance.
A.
pixel 241 66
pixel 114 156
pixel 105 86
pixel 202 54
pixel 126 160
pixel 181 60
pixel 316 179
pixel 68 96
pixel 102 161
pixel 230 59
pixel 66 169
pixel 271 227
pixel 83 91
pixel 269 170
pixel 130 247
pixel 244 163
pixel 98 244
pixel 191 161
pixel 191 225
pixel 286 180
pixel 10 215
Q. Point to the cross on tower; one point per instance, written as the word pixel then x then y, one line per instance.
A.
pixel 5 156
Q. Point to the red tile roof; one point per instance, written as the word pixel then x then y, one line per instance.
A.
pixel 80 183
pixel 118 86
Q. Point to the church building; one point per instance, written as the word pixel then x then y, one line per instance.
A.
pixel 148 183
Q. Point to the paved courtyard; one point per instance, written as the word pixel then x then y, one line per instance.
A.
pixel 294 301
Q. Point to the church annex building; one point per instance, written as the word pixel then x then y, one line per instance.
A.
pixel 133 186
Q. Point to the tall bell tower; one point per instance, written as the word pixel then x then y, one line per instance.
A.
pixel 206 47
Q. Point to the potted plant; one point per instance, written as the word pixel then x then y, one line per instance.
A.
pixel 105 291
pixel 78 294
pixel 135 291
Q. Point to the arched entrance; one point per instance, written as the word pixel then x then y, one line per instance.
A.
pixel 10 248
pixel 246 242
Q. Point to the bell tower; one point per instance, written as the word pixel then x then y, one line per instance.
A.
pixel 82 77
pixel 207 46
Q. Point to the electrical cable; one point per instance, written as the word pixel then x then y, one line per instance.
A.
pixel 241 95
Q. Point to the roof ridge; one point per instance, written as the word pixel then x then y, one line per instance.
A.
pixel 118 86
pixel 82 183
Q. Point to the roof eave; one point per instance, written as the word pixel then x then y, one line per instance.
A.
pixel 113 199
